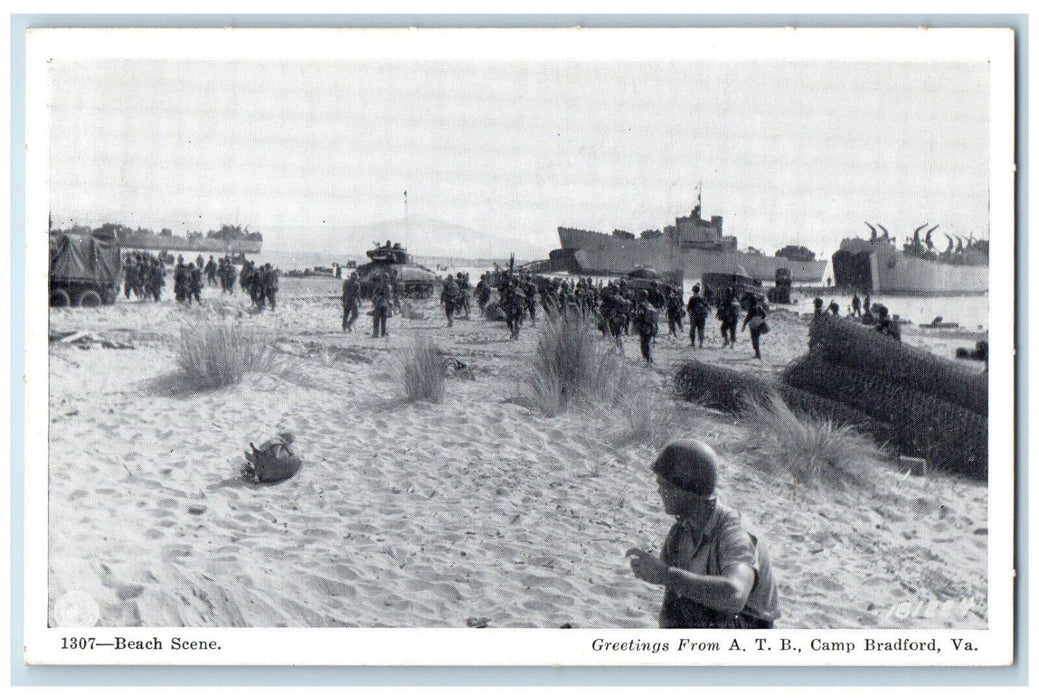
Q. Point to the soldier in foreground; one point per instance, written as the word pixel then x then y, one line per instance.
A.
pixel 729 315
pixel 194 283
pixel 180 280
pixel 462 280
pixel 450 299
pixel 698 310
pixel 351 291
pixel 756 320
pixel 382 304
pixel 211 270
pixel 886 325
pixel 673 303
pixel 270 285
pixel 714 573
pixel 646 326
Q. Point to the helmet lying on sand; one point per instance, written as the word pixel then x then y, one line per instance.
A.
pixel 273 460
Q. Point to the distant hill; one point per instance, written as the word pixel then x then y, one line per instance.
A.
pixel 425 238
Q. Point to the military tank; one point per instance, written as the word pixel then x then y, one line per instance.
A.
pixel 413 280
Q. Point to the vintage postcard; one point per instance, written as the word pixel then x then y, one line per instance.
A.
pixel 520 347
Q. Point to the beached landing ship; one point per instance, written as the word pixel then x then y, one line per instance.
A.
pixel 876 265
pixel 693 244
pixel 413 280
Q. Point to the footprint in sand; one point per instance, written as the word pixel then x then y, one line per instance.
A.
pixel 331 587
pixel 123 590
pixel 340 572
pixel 829 583
pixel 176 552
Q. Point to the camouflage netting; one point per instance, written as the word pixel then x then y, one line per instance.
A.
pixel 948 435
pixel 718 387
pixel 862 348
pixel 731 391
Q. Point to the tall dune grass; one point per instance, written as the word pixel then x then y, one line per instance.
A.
pixel 571 366
pixel 642 414
pixel 213 354
pixel 811 449
pixel 419 368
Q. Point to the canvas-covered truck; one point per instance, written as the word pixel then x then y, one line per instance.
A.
pixel 84 270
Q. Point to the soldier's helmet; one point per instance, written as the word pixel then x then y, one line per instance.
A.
pixel 689 464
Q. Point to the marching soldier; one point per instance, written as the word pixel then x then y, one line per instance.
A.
pixel 351 292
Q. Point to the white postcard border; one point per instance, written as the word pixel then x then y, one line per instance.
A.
pixel 447 647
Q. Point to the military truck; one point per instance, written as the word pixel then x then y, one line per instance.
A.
pixel 84 269
pixel 412 280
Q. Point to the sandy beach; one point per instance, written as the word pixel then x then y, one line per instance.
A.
pixel 477 510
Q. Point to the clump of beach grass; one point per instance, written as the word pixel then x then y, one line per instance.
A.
pixel 641 414
pixel 812 449
pixel 571 367
pixel 212 354
pixel 419 368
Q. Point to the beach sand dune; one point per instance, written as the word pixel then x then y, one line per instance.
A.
pixel 429 515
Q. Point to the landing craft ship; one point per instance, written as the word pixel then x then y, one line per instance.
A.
pixel 877 265
pixel 693 244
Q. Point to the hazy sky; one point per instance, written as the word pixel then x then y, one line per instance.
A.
pixel 787 152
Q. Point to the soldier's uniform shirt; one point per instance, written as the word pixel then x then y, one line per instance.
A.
pixel 723 542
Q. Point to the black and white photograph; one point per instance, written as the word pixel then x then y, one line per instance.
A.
pixel 613 346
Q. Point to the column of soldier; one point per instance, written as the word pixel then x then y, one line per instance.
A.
pixel 143 274
pixel 261 282
pixel 617 307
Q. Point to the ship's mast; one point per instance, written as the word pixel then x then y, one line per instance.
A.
pixel 405 218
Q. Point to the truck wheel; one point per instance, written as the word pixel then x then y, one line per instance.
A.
pixel 59 297
pixel 89 298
